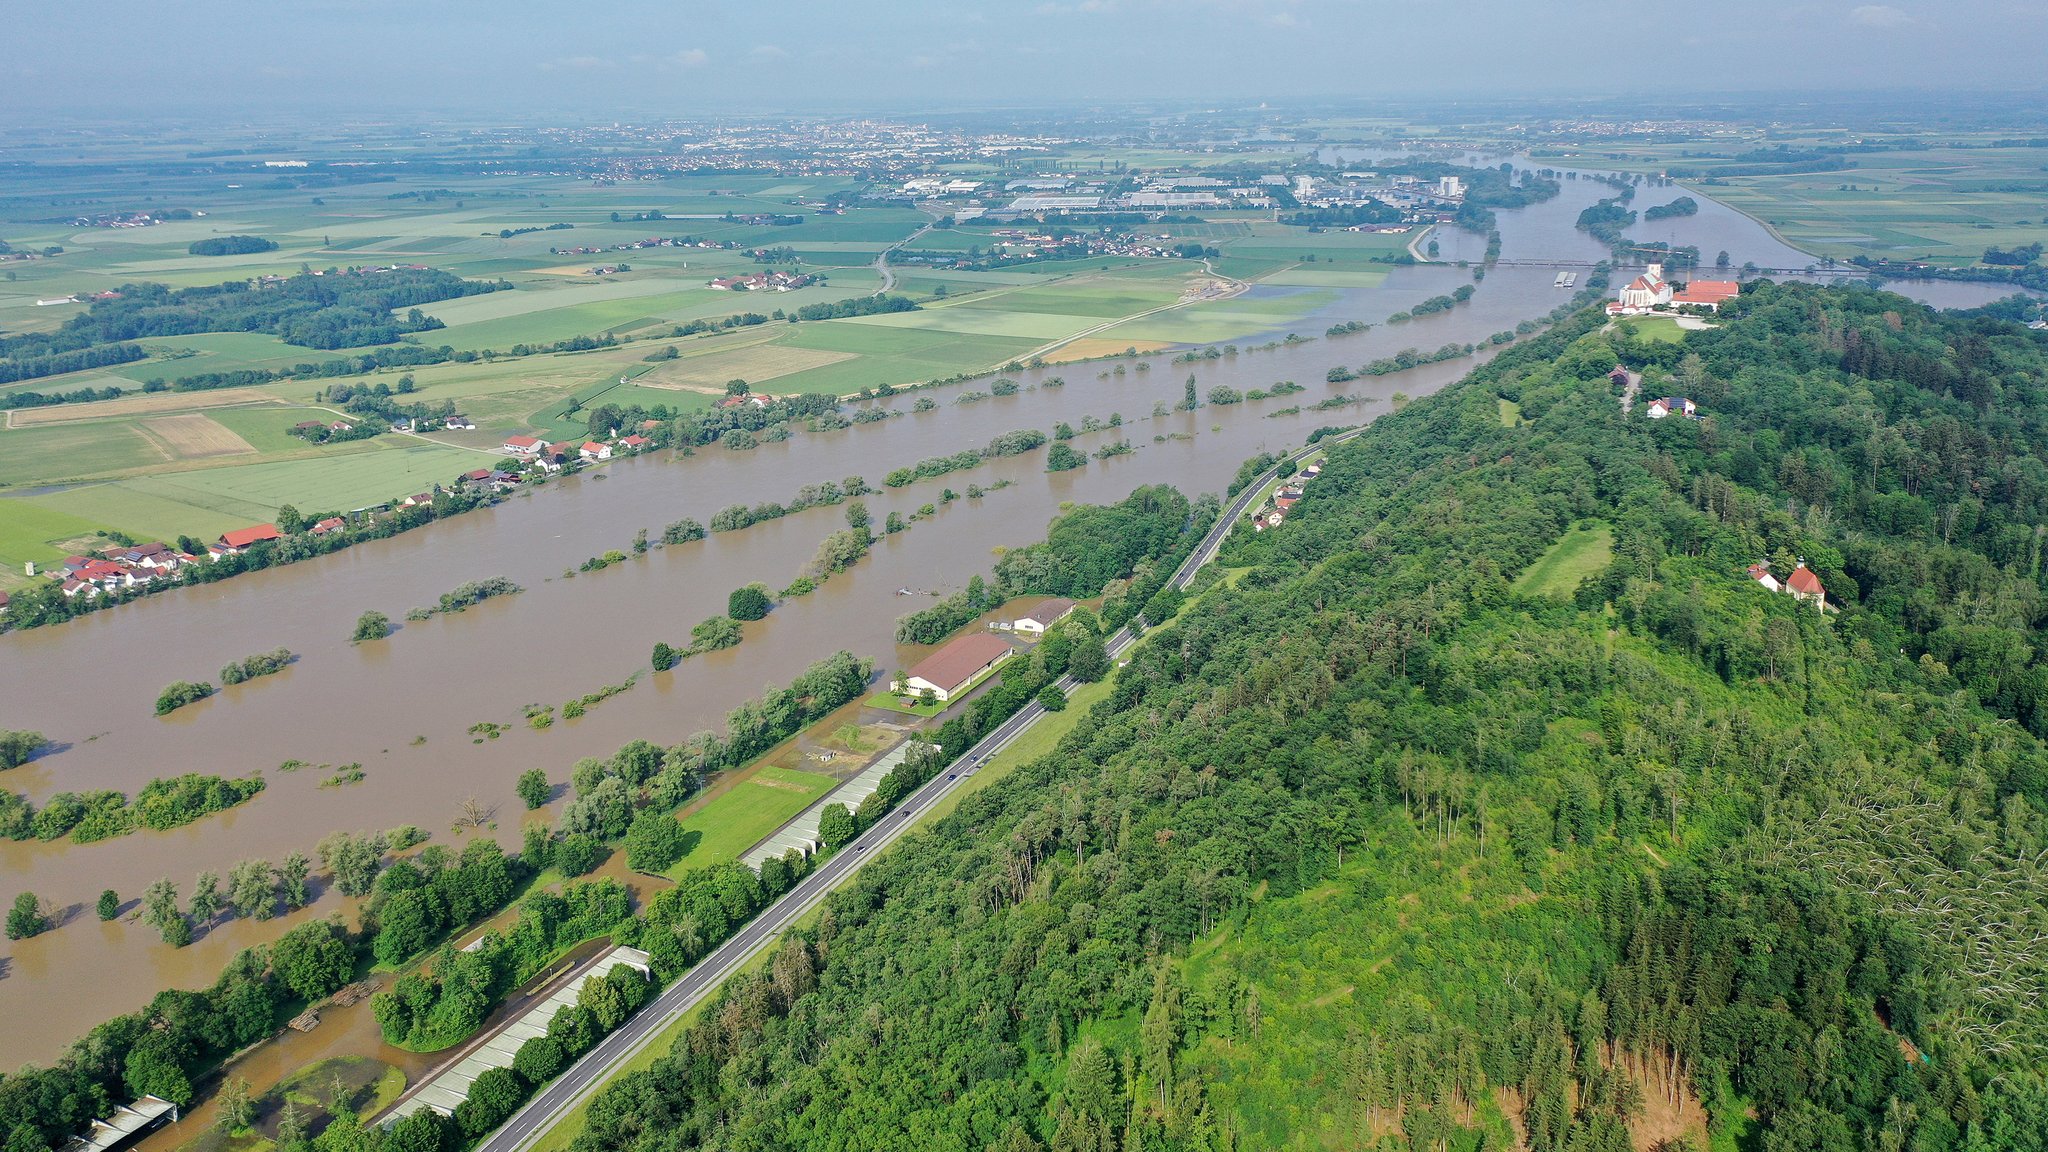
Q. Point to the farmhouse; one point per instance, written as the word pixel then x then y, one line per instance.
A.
pixel 1036 621
pixel 946 672
pixel 238 541
pixel 331 524
pixel 596 450
pixel 634 442
pixel 524 445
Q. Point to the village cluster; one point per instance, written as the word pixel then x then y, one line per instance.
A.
pixel 1274 512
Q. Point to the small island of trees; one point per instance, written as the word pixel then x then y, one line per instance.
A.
pixel 230 246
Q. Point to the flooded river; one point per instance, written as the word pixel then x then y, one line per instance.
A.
pixel 402 707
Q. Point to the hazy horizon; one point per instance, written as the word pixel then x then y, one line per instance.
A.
pixel 519 59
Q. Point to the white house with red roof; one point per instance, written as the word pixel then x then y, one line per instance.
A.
pixel 1802 584
pixel 524 445
pixel 331 524
pixel 596 450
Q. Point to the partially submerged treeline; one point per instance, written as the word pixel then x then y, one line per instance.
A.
pixel 165 802
pixel 1124 552
pixel 466 596
pixel 1716 866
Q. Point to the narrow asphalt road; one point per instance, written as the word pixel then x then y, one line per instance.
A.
pixel 882 259
pixel 587 1074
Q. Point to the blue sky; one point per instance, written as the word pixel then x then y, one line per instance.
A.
pixel 682 57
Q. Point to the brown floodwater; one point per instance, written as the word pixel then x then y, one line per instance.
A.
pixel 402 707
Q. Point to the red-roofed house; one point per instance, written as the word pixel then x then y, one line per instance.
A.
pixel 1804 585
pixel 524 445
pixel 1761 573
pixel 635 442
pixel 238 541
pixel 106 574
pixel 331 524
pixel 594 450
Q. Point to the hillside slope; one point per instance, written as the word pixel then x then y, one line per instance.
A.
pixel 1371 849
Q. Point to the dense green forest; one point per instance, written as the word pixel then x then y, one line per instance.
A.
pixel 335 309
pixel 1379 846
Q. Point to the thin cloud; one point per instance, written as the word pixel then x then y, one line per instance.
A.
pixel 766 52
pixel 1879 16
pixel 690 58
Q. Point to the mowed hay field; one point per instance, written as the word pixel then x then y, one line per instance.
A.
pixel 60 452
pixel 143 404
pixel 194 436
pixel 754 364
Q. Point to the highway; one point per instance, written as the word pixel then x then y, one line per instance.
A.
pixel 582 1078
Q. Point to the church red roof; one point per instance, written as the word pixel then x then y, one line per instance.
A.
pixel 1804 582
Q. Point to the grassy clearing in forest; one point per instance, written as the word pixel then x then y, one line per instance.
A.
pixel 1577 554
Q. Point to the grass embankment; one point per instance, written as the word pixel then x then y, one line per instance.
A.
pixel 1577 554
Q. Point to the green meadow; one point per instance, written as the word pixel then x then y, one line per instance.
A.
pixel 1579 553
pixel 744 815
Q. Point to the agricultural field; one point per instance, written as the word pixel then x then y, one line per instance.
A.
pixel 1944 206
pixel 1941 203
pixel 207 502
pixel 33 533
pixel 172 463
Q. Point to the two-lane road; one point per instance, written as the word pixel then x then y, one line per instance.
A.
pixel 582 1078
